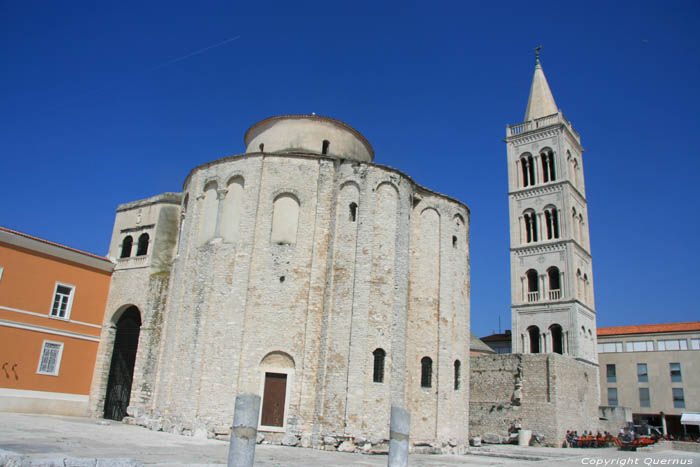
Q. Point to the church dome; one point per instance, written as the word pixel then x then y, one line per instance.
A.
pixel 309 134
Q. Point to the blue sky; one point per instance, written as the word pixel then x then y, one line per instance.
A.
pixel 104 103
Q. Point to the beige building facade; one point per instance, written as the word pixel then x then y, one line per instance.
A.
pixel 654 370
pixel 301 271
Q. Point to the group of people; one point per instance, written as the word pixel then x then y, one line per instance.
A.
pixel 588 439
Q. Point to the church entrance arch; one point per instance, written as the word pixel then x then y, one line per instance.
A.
pixel 277 369
pixel 121 368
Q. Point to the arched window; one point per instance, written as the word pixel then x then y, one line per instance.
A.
pixel 353 212
pixel 547 157
pixel 557 338
pixel 426 372
pixel 554 283
pixel 551 217
pixel 126 246
pixel 534 333
pixel 533 293
pixel 285 218
pixel 458 374
pixel 378 374
pixel 143 245
pixel 208 213
pixel 527 166
pixel 183 215
pixel 530 226
pixel 324 148
pixel 232 209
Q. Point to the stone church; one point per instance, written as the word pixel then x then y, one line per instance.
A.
pixel 301 271
pixel 334 287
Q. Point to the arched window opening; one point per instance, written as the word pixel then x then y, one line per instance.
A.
pixel 531 168
pixel 208 213
pixel 126 246
pixel 426 372
pixel 121 368
pixel 353 212
pixel 533 293
pixel 523 166
pixel 378 373
pixel 143 245
pixel 530 226
pixel 554 283
pixel 232 209
pixel 324 149
pixel 285 219
pixel 534 334
pixel 552 173
pixel 547 165
pixel 458 374
pixel 183 215
pixel 262 146
pixel 528 167
pixel 454 241
pixel 551 217
pixel 557 339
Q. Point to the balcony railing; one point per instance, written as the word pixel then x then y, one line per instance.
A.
pixel 555 294
pixel 533 296
pixel 514 130
pixel 133 262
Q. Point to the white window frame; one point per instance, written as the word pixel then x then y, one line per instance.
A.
pixel 58 358
pixel 290 375
pixel 69 305
pixel 682 344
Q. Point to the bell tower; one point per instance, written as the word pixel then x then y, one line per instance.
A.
pixel 552 300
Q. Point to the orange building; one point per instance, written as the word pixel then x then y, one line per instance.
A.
pixel 52 301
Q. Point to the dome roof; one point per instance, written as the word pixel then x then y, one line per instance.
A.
pixel 309 134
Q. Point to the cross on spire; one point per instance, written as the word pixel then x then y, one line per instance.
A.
pixel 537 54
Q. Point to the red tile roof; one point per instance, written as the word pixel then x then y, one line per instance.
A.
pixel 32 237
pixel 650 328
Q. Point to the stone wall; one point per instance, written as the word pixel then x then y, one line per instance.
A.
pixel 545 393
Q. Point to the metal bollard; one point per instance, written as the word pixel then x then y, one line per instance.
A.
pixel 241 451
pixel 399 429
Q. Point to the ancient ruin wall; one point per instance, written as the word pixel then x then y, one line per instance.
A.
pixel 545 393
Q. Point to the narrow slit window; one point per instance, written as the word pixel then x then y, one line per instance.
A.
pixel 458 374
pixel 378 373
pixel 353 212
pixel 324 148
pixel 426 373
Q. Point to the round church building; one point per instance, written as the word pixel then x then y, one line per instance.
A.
pixel 300 271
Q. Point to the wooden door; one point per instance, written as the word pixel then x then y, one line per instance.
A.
pixel 273 399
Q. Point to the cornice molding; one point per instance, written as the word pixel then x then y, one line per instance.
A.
pixel 535 135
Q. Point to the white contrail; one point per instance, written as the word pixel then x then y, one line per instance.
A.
pixel 175 60
pixel 145 70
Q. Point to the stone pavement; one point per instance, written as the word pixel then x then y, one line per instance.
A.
pixel 48 440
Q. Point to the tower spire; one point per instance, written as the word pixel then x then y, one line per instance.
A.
pixel 540 103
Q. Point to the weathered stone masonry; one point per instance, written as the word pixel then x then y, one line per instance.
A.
pixel 294 262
